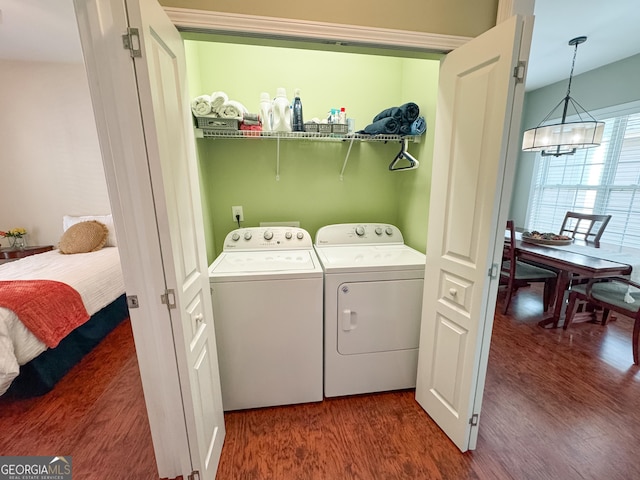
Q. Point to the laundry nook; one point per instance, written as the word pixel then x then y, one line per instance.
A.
pixel 314 174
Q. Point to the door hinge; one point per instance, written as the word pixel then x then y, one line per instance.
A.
pixel 131 42
pixel 132 301
pixel 169 298
pixel 195 475
pixel 493 271
pixel 473 421
pixel 518 71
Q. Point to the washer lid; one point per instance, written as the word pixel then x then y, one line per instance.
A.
pixel 370 257
pixel 246 263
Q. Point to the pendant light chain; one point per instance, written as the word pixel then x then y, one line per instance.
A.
pixel 573 64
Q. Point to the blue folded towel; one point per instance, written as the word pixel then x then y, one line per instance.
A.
pixel 419 126
pixel 394 112
pixel 404 115
pixel 410 112
pixel 387 125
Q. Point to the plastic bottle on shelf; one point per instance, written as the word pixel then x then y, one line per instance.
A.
pixel 281 112
pixel 297 121
pixel 342 115
pixel 265 111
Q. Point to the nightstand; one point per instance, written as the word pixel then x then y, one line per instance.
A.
pixel 10 254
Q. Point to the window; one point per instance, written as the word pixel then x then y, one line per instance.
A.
pixel 600 180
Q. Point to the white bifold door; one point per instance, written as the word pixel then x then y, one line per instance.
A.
pixel 478 115
pixel 137 73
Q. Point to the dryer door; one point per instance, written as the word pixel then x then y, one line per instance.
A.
pixel 379 316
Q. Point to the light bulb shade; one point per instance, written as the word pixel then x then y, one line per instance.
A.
pixel 563 138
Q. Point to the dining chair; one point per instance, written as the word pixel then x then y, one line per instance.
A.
pixel 588 226
pixel 610 294
pixel 515 273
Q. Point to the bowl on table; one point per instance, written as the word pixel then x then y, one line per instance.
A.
pixel 546 238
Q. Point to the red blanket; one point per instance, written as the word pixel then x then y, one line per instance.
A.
pixel 49 309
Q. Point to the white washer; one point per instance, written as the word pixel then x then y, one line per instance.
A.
pixel 267 304
pixel 372 308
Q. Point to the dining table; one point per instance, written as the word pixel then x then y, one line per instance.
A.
pixel 579 258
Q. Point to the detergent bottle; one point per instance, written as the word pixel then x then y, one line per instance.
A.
pixel 297 120
pixel 265 112
pixel 281 116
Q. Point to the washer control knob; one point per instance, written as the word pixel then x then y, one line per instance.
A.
pixel 235 237
pixel 268 235
pixel 378 231
pixel 389 231
pixel 288 235
pixel 247 235
pixel 299 235
pixel 360 230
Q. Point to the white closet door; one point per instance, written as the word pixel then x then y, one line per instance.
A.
pixel 143 116
pixel 476 144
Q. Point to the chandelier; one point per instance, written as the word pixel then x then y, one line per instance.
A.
pixel 565 138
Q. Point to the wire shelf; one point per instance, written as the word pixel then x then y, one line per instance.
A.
pixel 349 138
pixel 332 137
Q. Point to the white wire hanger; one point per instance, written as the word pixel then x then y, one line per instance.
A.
pixel 403 154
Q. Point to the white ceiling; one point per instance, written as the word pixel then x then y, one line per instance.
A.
pixel 612 28
pixel 39 30
pixel 46 30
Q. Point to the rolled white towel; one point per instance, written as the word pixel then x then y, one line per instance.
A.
pixel 218 99
pixel 201 105
pixel 232 109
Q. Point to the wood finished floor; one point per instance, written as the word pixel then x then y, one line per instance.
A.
pixel 557 405
pixel 96 414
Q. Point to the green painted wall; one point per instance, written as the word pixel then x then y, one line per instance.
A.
pixel 420 84
pixel 243 171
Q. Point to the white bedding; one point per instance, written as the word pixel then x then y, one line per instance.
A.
pixel 97 276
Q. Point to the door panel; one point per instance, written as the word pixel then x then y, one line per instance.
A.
pixel 448 352
pixel 475 127
pixel 465 197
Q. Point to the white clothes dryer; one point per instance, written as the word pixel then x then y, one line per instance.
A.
pixel 372 308
pixel 267 305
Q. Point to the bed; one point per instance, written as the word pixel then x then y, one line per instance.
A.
pixel 28 366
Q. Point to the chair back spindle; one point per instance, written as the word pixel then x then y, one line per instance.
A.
pixel 588 226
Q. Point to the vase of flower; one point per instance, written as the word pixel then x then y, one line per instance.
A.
pixel 19 243
pixel 16 238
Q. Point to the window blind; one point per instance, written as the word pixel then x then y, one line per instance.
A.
pixel 601 180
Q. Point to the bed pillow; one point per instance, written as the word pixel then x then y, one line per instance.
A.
pixel 84 237
pixel 69 220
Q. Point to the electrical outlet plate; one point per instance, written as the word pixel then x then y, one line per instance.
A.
pixel 237 211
